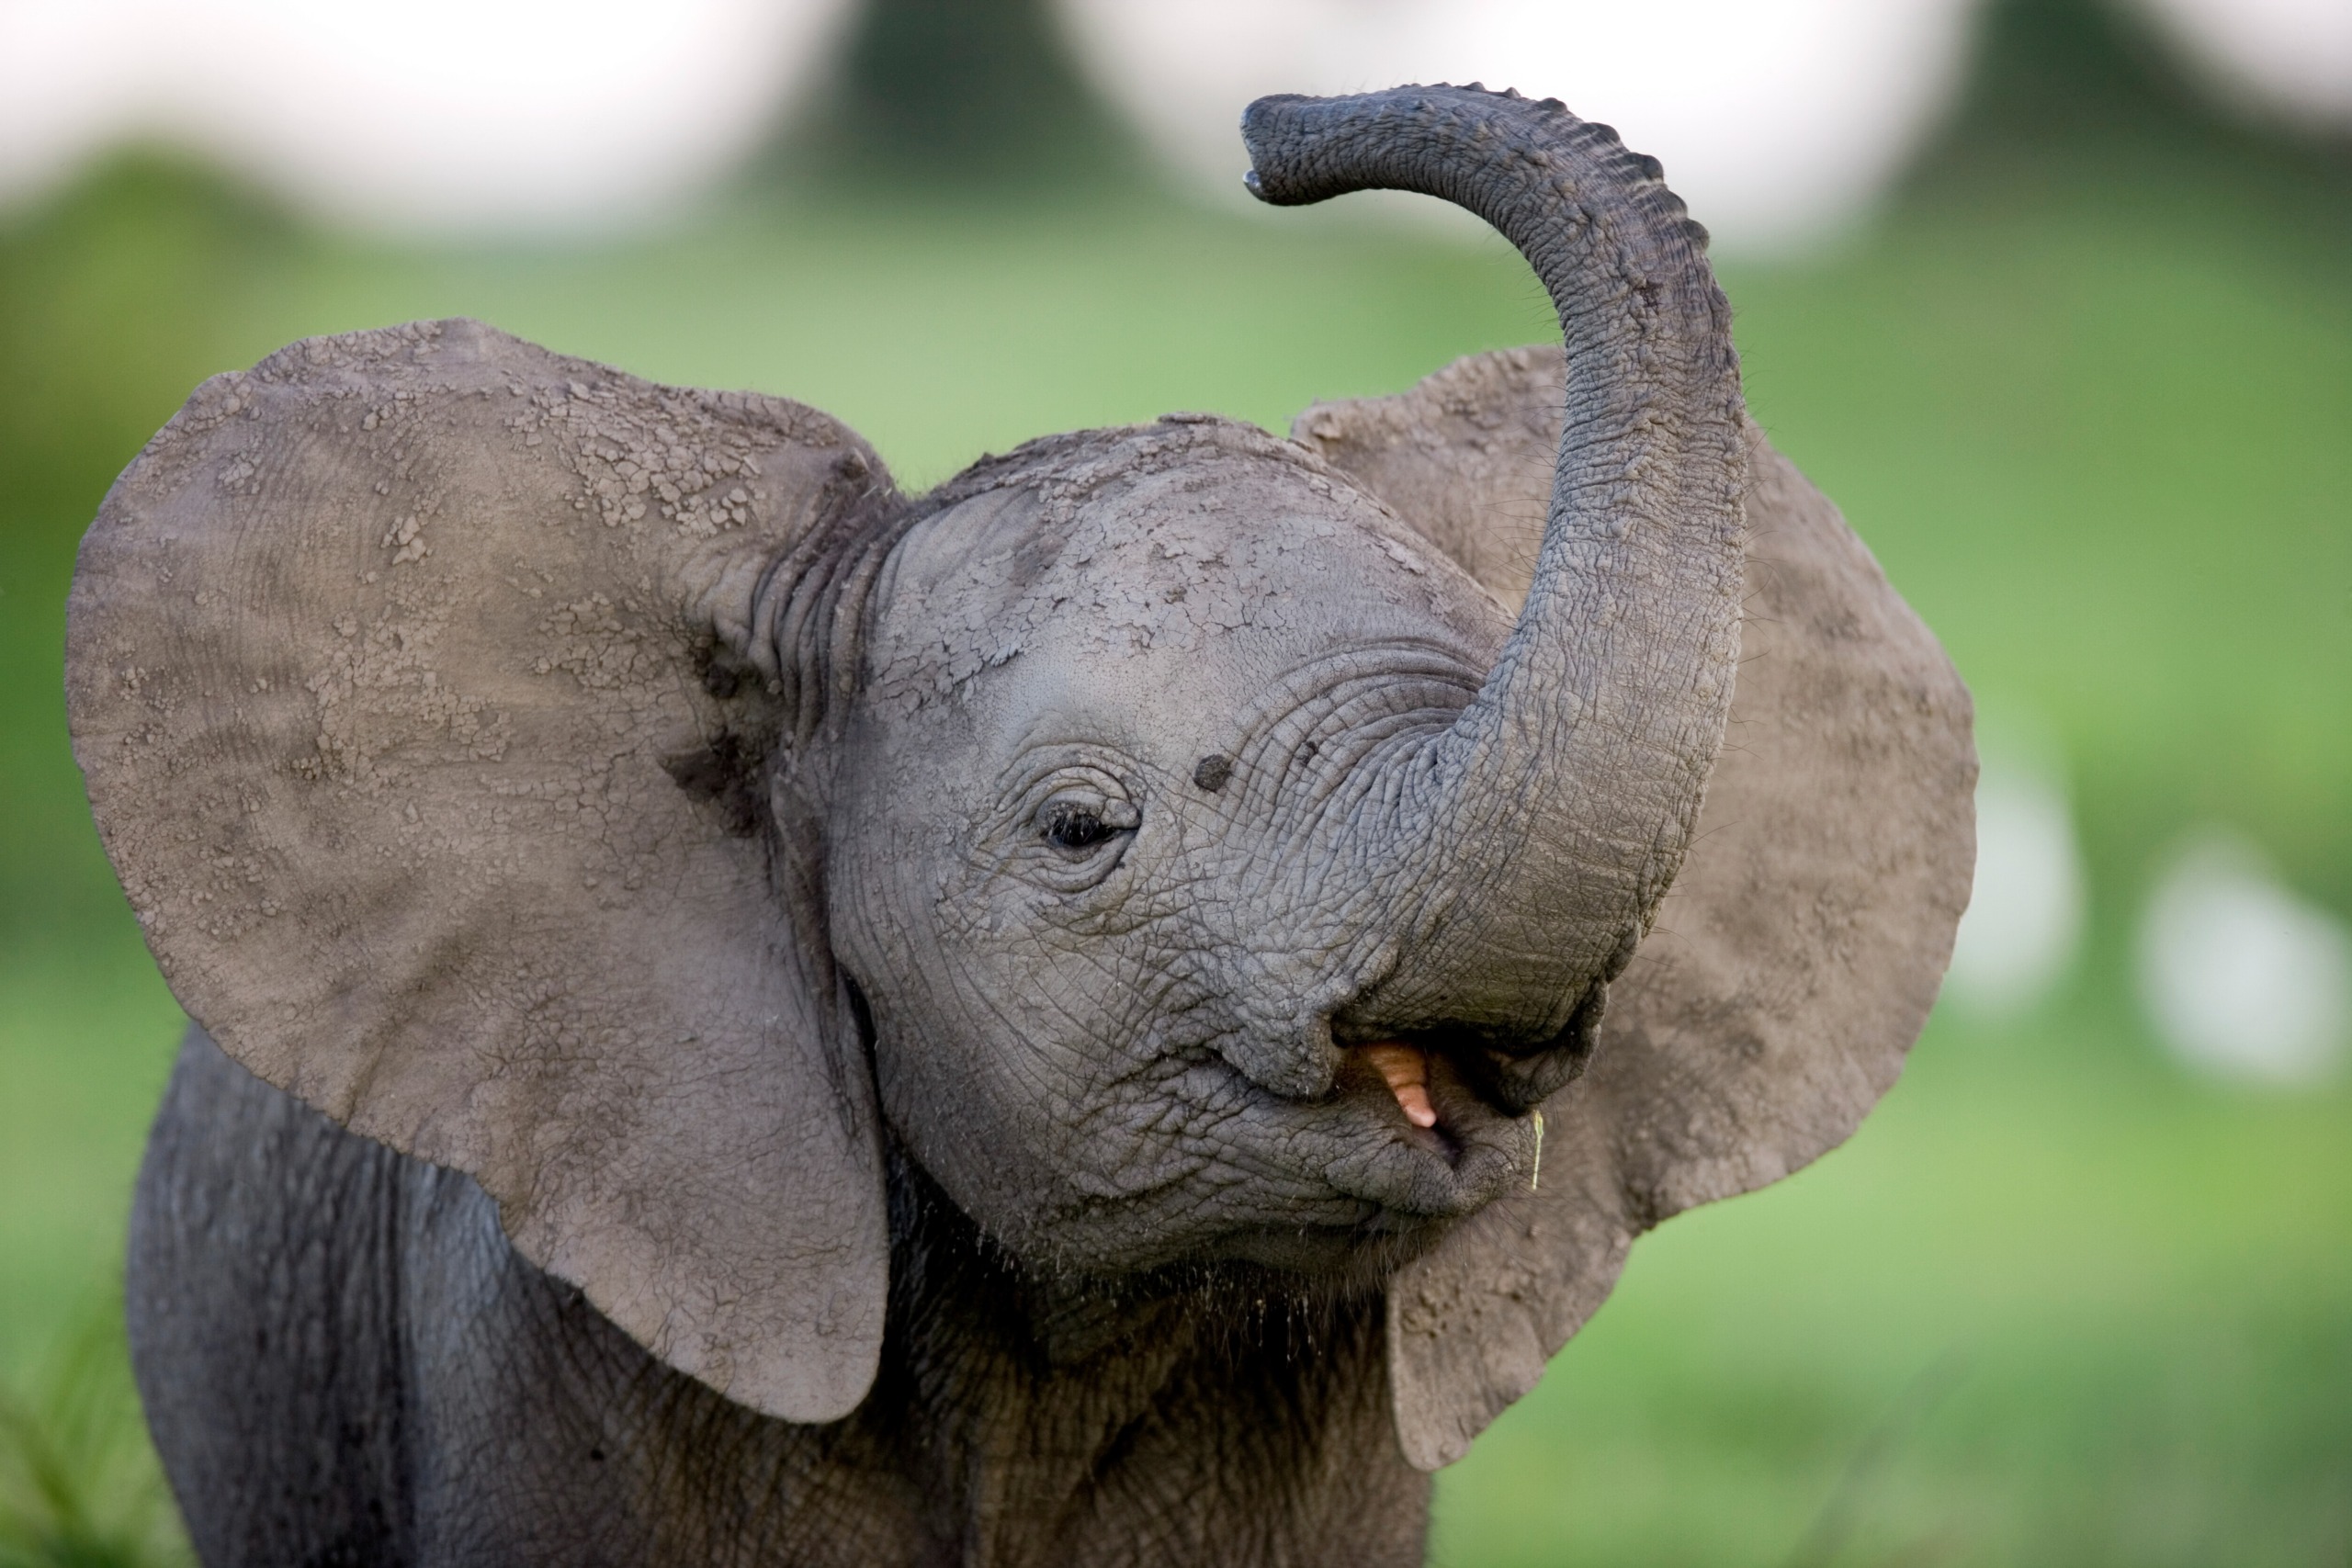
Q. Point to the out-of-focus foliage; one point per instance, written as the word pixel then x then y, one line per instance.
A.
pixel 970 99
pixel 2072 77
pixel 78 1488
pixel 2086 390
pixel 2148 303
pixel 113 303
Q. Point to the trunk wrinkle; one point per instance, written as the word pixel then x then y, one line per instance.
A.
pixel 1560 801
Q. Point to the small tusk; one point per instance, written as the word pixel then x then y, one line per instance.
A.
pixel 1406 1072
pixel 1535 1176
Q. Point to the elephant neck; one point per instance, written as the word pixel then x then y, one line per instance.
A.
pixel 1034 1412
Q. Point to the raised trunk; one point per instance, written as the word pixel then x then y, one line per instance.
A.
pixel 1518 856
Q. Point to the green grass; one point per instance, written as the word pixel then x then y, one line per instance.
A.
pixel 78 1484
pixel 86 1037
pixel 2055 1304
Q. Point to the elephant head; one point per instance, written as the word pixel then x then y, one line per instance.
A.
pixel 1190 850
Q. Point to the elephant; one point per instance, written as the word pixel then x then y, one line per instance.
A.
pixel 1114 1012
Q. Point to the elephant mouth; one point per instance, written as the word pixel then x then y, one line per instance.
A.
pixel 1412 1131
pixel 1404 1148
pixel 1420 1137
pixel 1341 1187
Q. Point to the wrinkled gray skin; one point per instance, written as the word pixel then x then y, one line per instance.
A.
pixel 765 1021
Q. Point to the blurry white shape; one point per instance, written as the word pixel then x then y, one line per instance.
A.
pixel 500 114
pixel 2025 909
pixel 2291 58
pixel 2242 978
pixel 1775 118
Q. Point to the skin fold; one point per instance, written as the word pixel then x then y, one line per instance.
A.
pixel 1114 1011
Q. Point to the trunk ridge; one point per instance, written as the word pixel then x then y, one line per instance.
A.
pixel 1520 854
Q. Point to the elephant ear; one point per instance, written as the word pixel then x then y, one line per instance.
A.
pixel 1795 959
pixel 416 680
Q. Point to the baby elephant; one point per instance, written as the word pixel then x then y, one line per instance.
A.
pixel 748 1017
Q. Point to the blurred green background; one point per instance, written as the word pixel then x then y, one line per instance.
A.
pixel 2084 385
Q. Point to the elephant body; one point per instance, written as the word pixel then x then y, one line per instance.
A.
pixel 1118 1011
pixel 345 1363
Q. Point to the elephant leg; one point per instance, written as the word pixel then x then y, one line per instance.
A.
pixel 258 1293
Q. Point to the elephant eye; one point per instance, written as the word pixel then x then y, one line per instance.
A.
pixel 1078 821
pixel 1075 828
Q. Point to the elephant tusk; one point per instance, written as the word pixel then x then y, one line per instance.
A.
pixel 1406 1069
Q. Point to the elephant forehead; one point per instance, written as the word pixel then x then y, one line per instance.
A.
pixel 1193 582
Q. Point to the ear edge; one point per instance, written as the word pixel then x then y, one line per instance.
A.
pixel 157 519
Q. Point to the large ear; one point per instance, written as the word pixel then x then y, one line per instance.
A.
pixel 1795 958
pixel 417 677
